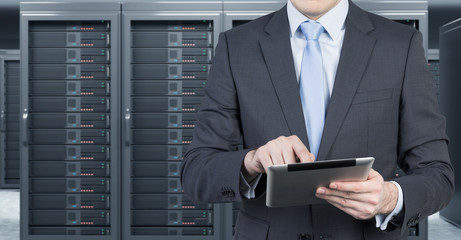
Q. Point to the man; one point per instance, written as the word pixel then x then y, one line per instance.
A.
pixel 318 80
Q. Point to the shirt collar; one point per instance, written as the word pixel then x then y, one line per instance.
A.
pixel 333 21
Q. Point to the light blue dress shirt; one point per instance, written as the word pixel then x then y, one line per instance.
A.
pixel 331 42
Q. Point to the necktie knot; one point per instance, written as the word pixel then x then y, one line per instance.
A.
pixel 312 30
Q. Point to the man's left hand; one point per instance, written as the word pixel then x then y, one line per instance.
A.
pixel 362 200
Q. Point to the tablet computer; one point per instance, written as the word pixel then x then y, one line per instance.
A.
pixel 295 184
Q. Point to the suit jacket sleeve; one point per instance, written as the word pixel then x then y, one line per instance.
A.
pixel 211 168
pixel 423 154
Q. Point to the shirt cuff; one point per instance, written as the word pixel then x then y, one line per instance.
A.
pixel 381 219
pixel 248 189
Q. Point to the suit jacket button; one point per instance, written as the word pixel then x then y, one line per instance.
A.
pixel 231 193
pixel 304 236
pixel 413 221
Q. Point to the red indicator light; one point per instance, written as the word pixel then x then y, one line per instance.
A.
pixel 86 206
pixel 86 223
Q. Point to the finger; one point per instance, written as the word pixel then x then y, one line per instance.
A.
pixel 263 158
pixel 343 202
pixel 351 206
pixel 287 153
pixel 364 198
pixel 372 184
pixel 266 163
pixel 275 152
pixel 373 174
pixel 356 187
pixel 301 150
pixel 254 161
pixel 354 213
pixel 260 168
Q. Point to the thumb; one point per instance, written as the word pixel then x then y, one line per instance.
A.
pixel 373 174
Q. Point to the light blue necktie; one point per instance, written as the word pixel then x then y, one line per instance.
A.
pixel 311 84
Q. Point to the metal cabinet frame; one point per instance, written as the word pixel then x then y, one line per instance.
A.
pixel 159 11
pixel 70 12
pixel 5 56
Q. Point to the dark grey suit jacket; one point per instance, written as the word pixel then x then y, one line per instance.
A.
pixel 383 105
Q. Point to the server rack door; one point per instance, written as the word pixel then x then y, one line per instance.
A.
pixel 166 61
pixel 69 122
pixel 9 118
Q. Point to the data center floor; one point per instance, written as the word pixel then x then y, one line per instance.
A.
pixel 439 229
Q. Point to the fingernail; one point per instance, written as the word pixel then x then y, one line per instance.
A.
pixel 334 186
pixel 321 191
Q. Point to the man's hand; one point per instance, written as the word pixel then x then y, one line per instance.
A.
pixel 282 150
pixel 362 200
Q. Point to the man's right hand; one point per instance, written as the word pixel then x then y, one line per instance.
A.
pixel 282 150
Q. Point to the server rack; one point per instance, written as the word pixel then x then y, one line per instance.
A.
pixel 9 118
pixel 450 36
pixel 167 50
pixel 69 120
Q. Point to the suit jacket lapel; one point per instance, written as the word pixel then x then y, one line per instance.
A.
pixel 355 54
pixel 276 48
